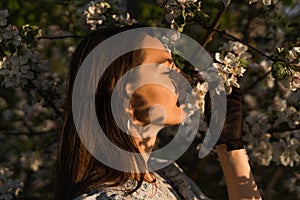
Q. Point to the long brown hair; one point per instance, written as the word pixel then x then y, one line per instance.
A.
pixel 78 171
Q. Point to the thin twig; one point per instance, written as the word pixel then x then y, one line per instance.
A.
pixel 273 181
pixel 59 37
pixel 280 130
pixel 48 101
pixel 258 80
pixel 210 31
pixel 17 133
pixel 223 32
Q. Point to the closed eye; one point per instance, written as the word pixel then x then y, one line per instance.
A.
pixel 169 61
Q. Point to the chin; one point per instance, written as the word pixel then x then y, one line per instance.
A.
pixel 177 118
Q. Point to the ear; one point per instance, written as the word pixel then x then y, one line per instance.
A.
pixel 143 116
pixel 139 114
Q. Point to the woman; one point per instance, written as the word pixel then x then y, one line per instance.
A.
pixel 151 107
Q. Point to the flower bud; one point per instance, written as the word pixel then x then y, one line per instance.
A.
pixel 280 70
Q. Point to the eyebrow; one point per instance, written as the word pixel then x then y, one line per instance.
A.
pixel 163 60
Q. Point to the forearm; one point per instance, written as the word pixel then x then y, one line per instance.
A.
pixel 237 172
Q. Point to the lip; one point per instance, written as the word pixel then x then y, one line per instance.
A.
pixel 181 99
pixel 178 103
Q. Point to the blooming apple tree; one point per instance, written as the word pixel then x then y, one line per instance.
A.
pixel 255 46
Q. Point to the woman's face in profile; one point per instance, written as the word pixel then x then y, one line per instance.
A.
pixel 157 102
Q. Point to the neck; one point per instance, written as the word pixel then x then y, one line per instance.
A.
pixel 145 137
pixel 145 144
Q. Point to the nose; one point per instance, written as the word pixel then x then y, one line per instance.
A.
pixel 180 81
pixel 175 68
pixel 187 77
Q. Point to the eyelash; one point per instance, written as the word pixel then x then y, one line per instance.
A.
pixel 170 61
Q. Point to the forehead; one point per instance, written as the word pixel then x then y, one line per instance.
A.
pixel 157 52
pixel 153 42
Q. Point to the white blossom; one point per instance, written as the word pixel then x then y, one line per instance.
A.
pixel 229 69
pixel 19 64
pixel 17 70
pixel 31 160
pixel 124 19
pixel 226 2
pixel 25 64
pixel 262 152
pixel 99 13
pixel 256 123
pixel 265 2
pixel 293 184
pixel 229 65
pixel 239 49
pixel 95 13
pixel 284 113
pixel 187 1
pixel 294 52
pixel 169 40
pixel 174 9
pixel 10 35
pixel 170 17
pixel 200 91
pixel 293 80
pixel 3 16
pixel 10 187
pixel 289 156
pixel 172 13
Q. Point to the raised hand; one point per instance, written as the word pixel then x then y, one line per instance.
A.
pixel 232 131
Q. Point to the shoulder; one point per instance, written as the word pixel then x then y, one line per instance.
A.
pixel 147 191
pixel 97 195
pixel 181 183
pixel 172 183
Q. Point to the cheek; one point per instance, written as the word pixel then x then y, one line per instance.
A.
pixel 151 95
pixel 175 115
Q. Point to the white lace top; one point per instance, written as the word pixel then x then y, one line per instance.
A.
pixel 171 183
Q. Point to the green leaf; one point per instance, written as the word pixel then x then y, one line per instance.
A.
pixel 280 70
pixel 30 32
pixel 9 49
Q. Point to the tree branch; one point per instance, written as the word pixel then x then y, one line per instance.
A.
pixel 273 181
pixel 17 133
pixel 48 101
pixel 280 130
pixel 223 32
pixel 59 37
pixel 210 31
pixel 258 80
